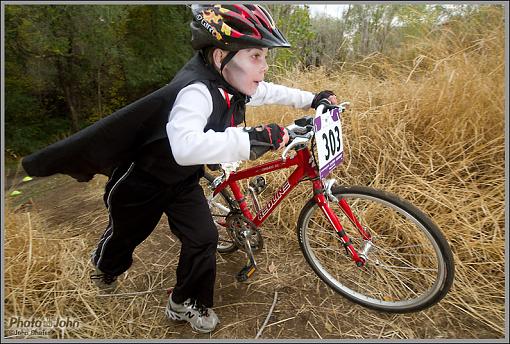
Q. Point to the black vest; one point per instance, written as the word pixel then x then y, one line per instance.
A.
pixel 137 132
pixel 156 158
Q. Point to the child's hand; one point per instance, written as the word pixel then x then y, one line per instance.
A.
pixel 266 137
pixel 332 99
pixel 329 95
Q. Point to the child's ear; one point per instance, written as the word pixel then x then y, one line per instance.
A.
pixel 217 58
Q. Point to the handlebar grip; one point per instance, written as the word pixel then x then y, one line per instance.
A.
pixel 327 105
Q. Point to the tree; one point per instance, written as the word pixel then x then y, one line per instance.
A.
pixel 295 24
pixel 368 27
pixel 157 44
pixel 64 47
pixel 330 44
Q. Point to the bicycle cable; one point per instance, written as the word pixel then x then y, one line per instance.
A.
pixel 313 152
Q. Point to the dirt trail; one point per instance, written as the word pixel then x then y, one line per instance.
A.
pixel 305 309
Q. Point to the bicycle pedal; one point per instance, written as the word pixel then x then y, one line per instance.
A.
pixel 246 272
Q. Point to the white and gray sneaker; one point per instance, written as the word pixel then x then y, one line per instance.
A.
pixel 201 318
pixel 105 282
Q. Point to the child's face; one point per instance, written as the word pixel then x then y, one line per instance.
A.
pixel 246 70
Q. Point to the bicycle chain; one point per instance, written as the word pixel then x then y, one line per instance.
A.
pixel 237 224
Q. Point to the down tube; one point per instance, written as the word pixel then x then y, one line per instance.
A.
pixel 278 196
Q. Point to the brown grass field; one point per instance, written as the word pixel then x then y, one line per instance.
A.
pixel 428 126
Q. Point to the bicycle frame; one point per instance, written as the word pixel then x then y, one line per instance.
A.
pixel 305 168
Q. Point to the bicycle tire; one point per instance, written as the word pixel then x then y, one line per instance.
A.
pixel 412 276
pixel 220 207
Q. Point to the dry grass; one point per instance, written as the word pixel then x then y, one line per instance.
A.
pixel 431 131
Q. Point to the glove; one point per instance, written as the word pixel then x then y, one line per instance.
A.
pixel 263 138
pixel 320 96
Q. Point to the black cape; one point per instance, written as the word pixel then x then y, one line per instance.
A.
pixel 118 137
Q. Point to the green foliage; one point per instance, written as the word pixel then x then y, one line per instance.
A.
pixel 74 64
pixel 157 40
pixel 368 27
pixel 295 24
pixel 67 51
pixel 23 138
pixel 67 66
pixel 20 104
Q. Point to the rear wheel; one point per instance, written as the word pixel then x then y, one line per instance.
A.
pixel 409 267
pixel 221 206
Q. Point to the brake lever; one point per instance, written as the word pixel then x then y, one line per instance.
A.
pixel 297 141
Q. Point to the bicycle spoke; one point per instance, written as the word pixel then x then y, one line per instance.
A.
pixel 403 261
pixel 400 256
pixel 389 267
pixel 402 283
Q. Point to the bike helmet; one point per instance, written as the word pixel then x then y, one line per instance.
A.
pixel 234 27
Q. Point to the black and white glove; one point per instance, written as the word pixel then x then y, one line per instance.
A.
pixel 320 96
pixel 264 138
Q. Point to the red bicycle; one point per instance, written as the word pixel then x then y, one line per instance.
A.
pixel 369 245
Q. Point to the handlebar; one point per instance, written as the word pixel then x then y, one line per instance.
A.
pixel 300 133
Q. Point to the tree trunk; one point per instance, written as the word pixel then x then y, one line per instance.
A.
pixel 68 95
pixel 99 104
pixel 70 103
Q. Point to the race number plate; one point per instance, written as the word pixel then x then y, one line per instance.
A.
pixel 328 135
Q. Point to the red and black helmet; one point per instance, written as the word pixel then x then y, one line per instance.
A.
pixel 234 27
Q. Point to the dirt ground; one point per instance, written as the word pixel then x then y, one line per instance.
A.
pixel 305 308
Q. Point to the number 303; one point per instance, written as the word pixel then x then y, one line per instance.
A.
pixel 332 142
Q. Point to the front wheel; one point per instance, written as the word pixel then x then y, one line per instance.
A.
pixel 409 266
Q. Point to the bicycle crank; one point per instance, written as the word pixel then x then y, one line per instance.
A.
pixel 251 265
pixel 247 237
pixel 242 230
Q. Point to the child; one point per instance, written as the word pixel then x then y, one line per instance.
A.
pixel 200 110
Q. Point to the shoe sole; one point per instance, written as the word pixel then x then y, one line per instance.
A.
pixel 105 287
pixel 172 315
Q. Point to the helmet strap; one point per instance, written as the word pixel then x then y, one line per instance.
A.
pixel 226 60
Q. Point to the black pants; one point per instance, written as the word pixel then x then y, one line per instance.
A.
pixel 136 201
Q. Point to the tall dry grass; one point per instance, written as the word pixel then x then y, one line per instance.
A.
pixel 428 126
pixel 433 132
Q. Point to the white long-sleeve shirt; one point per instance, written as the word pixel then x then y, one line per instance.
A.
pixel 190 113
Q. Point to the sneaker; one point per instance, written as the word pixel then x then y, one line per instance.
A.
pixel 104 281
pixel 201 319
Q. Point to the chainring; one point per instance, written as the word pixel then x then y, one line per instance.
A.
pixel 237 224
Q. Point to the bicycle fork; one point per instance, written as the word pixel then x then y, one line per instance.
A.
pixel 321 197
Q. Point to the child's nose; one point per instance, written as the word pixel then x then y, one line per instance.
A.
pixel 265 67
